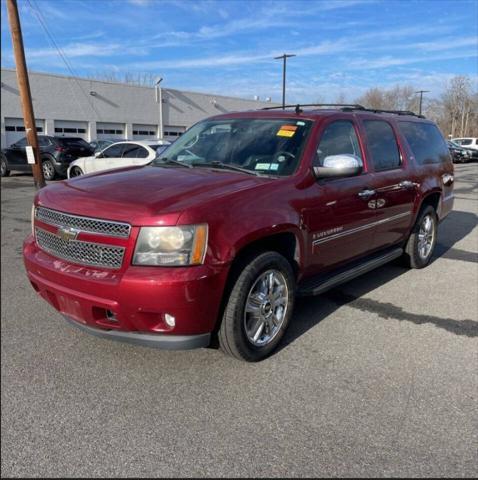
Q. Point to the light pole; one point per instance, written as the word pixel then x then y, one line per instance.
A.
pixel 421 92
pixel 284 57
pixel 159 99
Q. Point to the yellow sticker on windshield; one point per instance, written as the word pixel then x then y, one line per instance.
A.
pixel 285 133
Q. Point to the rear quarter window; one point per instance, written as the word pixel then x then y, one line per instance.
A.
pixel 426 142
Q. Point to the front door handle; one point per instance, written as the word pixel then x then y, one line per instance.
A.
pixel 365 194
pixel 408 184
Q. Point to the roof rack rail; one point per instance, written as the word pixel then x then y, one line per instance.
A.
pixel 396 112
pixel 347 107
pixel 298 106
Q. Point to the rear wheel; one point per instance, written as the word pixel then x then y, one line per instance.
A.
pixel 75 172
pixel 48 169
pixel 422 240
pixel 259 308
pixel 4 171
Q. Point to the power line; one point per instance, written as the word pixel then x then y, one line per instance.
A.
pixel 62 55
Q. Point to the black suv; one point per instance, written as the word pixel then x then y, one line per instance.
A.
pixel 56 155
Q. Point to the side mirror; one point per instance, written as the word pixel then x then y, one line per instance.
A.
pixel 335 166
pixel 98 155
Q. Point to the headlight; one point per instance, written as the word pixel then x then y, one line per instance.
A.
pixel 171 246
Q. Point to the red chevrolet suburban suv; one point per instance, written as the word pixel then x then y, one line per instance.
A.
pixel 213 240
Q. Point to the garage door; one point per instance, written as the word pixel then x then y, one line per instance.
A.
pixel 68 128
pixel 172 133
pixel 110 131
pixel 144 132
pixel 15 129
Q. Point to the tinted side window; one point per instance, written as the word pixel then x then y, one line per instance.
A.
pixel 43 141
pixel 382 145
pixel 338 138
pixel 142 153
pixel 114 151
pixel 22 142
pixel 426 142
pixel 130 150
pixel 134 151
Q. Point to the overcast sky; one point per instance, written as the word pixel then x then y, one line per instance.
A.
pixel 227 46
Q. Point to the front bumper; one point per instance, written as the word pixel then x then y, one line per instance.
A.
pixel 130 304
pixel 164 342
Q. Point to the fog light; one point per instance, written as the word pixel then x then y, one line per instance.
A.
pixel 170 320
pixel 111 316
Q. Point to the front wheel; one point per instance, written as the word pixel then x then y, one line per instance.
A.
pixel 48 169
pixel 259 308
pixel 422 240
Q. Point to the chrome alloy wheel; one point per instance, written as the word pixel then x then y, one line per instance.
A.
pixel 426 237
pixel 48 170
pixel 266 307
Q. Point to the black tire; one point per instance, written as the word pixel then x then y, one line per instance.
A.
pixel 5 172
pixel 48 169
pixel 75 172
pixel 414 253
pixel 232 335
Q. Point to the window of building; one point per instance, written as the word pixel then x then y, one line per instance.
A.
pixel 382 145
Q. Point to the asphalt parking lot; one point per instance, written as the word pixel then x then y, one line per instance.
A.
pixel 375 378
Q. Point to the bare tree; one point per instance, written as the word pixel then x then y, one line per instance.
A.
pixel 460 108
pixel 396 98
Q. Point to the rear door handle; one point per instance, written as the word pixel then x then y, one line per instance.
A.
pixel 365 194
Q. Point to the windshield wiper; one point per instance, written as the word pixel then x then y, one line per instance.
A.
pixel 170 160
pixel 225 166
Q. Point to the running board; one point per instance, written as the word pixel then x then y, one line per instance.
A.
pixel 321 285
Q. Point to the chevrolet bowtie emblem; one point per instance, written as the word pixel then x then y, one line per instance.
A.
pixel 67 233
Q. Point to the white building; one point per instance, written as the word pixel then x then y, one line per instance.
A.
pixel 93 109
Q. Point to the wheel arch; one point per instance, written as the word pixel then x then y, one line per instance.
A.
pixel 285 242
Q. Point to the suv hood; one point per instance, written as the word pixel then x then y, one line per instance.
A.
pixel 138 194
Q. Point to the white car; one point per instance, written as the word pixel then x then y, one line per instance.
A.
pixel 118 155
pixel 468 142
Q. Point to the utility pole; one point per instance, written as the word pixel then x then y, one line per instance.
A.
pixel 284 57
pixel 421 92
pixel 25 94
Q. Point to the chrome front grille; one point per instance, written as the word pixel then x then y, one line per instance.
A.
pixel 84 224
pixel 85 253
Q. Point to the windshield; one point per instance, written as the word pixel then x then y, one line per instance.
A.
pixel 256 146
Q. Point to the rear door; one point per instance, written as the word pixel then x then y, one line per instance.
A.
pixel 431 156
pixel 340 221
pixel 393 182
